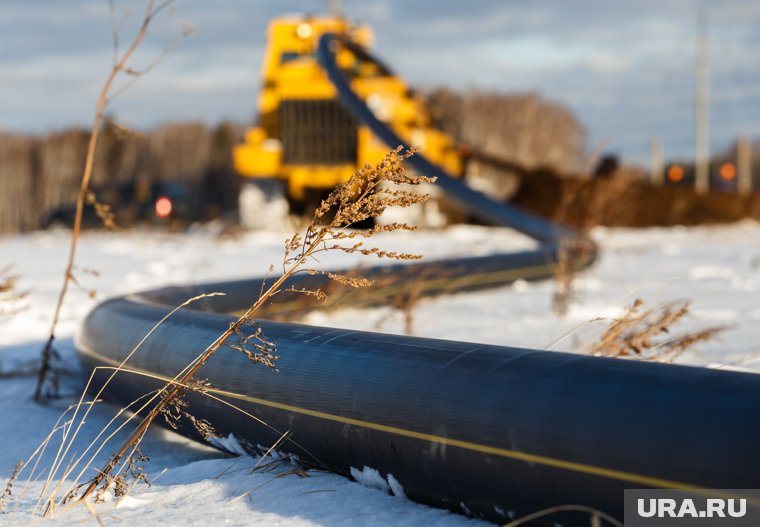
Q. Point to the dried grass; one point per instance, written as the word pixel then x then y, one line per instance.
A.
pixel 8 491
pixel 11 298
pixel 587 209
pixel 365 196
pixel 647 333
pixel 48 377
pixel 572 251
pixel 595 515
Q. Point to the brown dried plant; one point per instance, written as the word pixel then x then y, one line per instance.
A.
pixel 102 210
pixel 638 333
pixel 595 516
pixel 365 196
pixel 403 297
pixel 10 296
pixel 587 208
pixel 176 409
pixel 8 491
pixel 572 252
pixel 47 378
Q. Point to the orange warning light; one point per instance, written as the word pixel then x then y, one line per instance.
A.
pixel 727 171
pixel 163 207
pixel 675 173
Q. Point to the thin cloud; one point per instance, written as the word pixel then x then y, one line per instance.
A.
pixel 625 68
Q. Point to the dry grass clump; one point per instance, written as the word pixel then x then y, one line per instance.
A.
pixel 646 333
pixel 11 302
pixel 365 196
pixel 10 296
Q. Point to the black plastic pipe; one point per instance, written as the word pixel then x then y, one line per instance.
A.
pixel 492 431
pixel 476 203
pixel 488 430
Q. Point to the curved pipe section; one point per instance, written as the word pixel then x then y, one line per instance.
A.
pixel 474 202
pixel 490 431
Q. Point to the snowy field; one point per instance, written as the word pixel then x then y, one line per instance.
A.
pixel 717 268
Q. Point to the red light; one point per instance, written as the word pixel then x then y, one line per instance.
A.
pixel 675 173
pixel 727 171
pixel 163 207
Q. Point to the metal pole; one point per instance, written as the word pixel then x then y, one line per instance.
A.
pixel 744 165
pixel 702 110
pixel 657 164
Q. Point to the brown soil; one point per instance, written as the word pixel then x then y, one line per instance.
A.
pixel 624 200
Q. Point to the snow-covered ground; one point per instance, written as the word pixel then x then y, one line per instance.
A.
pixel 717 268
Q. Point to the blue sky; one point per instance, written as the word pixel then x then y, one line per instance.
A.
pixel 625 68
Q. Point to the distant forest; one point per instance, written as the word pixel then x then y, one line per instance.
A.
pixel 511 137
pixel 39 173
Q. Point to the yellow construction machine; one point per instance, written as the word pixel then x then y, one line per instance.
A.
pixel 305 142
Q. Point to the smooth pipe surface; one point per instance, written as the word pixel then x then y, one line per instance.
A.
pixel 491 431
pixel 471 427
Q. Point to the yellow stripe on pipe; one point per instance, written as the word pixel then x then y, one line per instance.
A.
pixel 618 475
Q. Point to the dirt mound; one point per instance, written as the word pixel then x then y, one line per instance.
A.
pixel 624 200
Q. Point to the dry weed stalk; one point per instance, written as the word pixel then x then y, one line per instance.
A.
pixel 635 334
pixel 70 424
pixel 362 197
pixel 8 492
pixel 295 471
pixel 406 304
pixel 404 297
pixel 134 461
pixel 47 376
pixel 403 304
pixel 596 516
pixel 576 247
pixel 176 409
pixel 73 425
pixel 572 251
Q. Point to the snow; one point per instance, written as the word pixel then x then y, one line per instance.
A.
pixel 396 488
pixel 717 268
pixel 229 444
pixel 369 477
